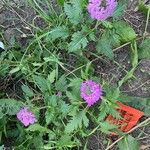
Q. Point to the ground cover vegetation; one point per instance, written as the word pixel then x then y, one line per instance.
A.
pixel 60 100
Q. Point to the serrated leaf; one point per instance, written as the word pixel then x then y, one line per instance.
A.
pixel 27 90
pixel 39 128
pixel 59 32
pixel 75 82
pixel 79 41
pixel 10 106
pixel 65 141
pixel 106 127
pixel 52 76
pixel 77 121
pixel 61 84
pixel 125 31
pixel 120 8
pixel 71 96
pixel 42 83
pixel 49 116
pixel 73 10
pixel 144 49
pixel 64 108
pixel 104 47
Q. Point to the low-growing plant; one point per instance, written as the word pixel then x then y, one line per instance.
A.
pixel 62 101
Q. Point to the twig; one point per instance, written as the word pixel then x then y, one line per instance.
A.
pixel 139 125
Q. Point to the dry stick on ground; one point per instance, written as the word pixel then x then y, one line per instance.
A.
pixel 139 125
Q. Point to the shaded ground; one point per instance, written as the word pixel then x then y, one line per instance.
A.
pixel 15 21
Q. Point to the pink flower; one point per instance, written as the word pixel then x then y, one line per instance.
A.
pixel 99 12
pixel 91 92
pixel 26 117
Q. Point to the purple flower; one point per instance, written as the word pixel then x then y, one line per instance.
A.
pixel 91 92
pixel 26 117
pixel 100 12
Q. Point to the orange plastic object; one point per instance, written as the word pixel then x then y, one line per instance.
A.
pixel 130 117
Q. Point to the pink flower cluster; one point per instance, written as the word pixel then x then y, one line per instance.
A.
pixel 99 12
pixel 91 92
pixel 26 117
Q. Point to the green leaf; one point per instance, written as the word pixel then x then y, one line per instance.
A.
pixel 65 141
pixel 77 121
pixel 64 108
pixel 9 106
pixel 120 8
pixel 73 10
pixel 128 76
pixel 147 111
pixel 144 49
pixel 14 70
pixel 27 91
pixel 52 76
pixel 3 69
pixel 128 143
pixel 59 32
pixel 39 128
pixel 41 83
pixel 75 82
pixel 106 127
pixel 104 46
pixel 60 2
pixel 71 96
pixel 143 7
pixel 79 41
pixel 49 116
pixel 124 30
pixel 61 84
pixel 134 54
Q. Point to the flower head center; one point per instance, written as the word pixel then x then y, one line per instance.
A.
pixel 103 4
pixel 89 90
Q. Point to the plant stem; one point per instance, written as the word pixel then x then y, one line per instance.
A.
pixel 139 125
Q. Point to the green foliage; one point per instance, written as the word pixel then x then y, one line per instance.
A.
pixel 58 57
pixel 77 121
pixel 42 83
pixel 60 2
pixel 52 76
pixel 104 46
pixel 9 107
pixel 37 127
pixel 144 49
pixel 106 127
pixel 28 92
pixel 73 10
pixel 128 143
pixel 61 84
pixel 59 32
pixel 79 41
pixel 65 141
pixel 143 7
pixel 120 8
pixel 125 31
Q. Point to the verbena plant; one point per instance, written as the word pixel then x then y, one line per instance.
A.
pixel 51 85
